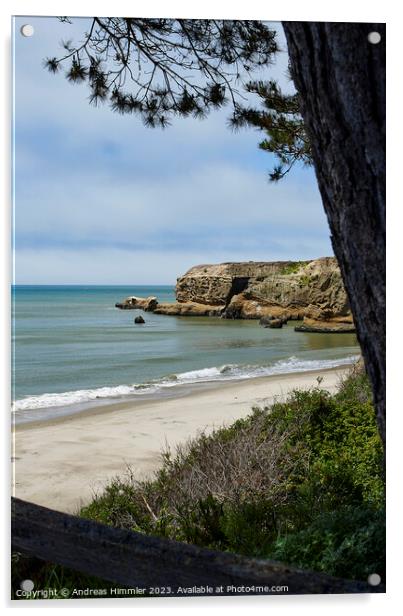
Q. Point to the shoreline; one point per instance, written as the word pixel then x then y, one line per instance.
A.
pixel 110 405
pixel 61 462
pixel 161 389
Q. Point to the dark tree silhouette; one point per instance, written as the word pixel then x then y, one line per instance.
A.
pixel 280 118
pixel 341 81
pixel 336 121
pixel 159 68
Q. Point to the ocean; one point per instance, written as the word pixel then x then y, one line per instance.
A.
pixel 72 349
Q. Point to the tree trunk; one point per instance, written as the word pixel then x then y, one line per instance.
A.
pixel 340 77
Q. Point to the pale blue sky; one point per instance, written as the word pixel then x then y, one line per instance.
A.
pixel 100 199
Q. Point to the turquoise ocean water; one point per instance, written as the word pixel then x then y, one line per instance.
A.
pixel 73 349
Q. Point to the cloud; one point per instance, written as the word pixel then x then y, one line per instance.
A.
pixel 124 266
pixel 97 192
pixel 197 203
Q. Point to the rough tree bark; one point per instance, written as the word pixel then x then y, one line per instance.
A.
pixel 340 77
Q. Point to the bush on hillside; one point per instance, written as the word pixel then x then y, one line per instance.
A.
pixel 301 481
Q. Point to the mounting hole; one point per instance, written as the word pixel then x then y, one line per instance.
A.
pixel 374 38
pixel 27 30
pixel 27 585
pixel 374 579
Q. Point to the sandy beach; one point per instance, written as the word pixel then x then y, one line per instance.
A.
pixel 61 463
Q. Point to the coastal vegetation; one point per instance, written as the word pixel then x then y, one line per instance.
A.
pixel 301 482
pixel 292 267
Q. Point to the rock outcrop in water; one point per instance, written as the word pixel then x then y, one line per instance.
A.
pixel 143 303
pixel 311 291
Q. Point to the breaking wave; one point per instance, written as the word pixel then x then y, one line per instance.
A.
pixel 222 373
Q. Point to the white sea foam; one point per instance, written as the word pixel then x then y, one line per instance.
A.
pixel 222 373
pixel 71 397
pixel 235 371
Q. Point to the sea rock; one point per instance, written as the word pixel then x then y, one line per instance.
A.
pixel 268 320
pixel 139 319
pixel 244 307
pixel 270 290
pixel 308 291
pixel 190 309
pixel 217 284
pixel 325 327
pixel 143 303
pixel 275 323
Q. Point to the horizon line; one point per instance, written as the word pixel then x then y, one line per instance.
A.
pixel 88 284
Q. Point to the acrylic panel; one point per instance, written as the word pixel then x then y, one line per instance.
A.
pixel 198 326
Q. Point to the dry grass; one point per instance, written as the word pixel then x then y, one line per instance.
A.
pixel 247 462
pixel 243 462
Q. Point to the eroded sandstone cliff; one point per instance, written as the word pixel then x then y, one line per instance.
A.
pixel 275 292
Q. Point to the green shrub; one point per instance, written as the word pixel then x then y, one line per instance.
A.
pixel 348 542
pixel 301 482
pixel 281 483
pixel 292 268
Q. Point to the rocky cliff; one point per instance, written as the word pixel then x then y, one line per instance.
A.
pixel 311 291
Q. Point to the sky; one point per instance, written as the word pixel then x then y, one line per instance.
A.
pixel 101 199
